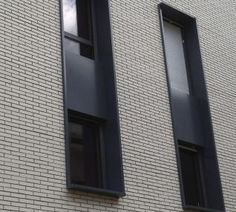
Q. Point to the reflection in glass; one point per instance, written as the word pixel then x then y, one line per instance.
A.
pixel 84 21
pixel 70 16
pixel 76 132
pixel 176 63
pixel 72 46
pixel 84 154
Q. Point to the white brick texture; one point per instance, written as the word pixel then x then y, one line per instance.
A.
pixel 32 158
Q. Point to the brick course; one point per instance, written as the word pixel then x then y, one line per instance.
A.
pixel 32 165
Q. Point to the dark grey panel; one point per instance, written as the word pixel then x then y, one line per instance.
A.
pixel 186 118
pixel 83 87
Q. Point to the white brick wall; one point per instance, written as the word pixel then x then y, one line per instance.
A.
pixel 32 169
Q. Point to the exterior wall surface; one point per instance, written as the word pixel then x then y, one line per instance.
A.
pixel 32 151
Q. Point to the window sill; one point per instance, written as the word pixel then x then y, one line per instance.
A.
pixel 100 191
pixel 195 208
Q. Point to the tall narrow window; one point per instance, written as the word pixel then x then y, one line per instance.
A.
pixel 92 131
pixel 196 154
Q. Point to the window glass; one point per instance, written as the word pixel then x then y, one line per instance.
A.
pixel 84 20
pixel 191 177
pixel 70 16
pixel 72 46
pixel 176 64
pixel 77 158
pixel 84 154
pixel 76 133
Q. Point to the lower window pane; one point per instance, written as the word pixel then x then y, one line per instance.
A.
pixel 78 164
pixel 85 166
pixel 191 179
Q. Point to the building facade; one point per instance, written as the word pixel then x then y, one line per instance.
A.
pixel 34 154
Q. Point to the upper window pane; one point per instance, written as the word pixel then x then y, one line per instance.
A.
pixel 77 18
pixel 175 58
pixel 70 16
pixel 84 19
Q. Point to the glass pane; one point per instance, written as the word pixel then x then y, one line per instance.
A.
pixel 175 58
pixel 191 177
pixel 84 19
pixel 92 155
pixel 78 164
pixel 72 46
pixel 70 16
pixel 84 154
pixel 76 133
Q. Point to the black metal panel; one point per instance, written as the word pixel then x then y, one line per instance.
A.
pixel 186 118
pixel 84 90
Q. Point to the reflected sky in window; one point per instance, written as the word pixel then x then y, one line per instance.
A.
pixel 70 16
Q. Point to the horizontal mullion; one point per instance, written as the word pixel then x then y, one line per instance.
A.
pixel 192 149
pixel 78 39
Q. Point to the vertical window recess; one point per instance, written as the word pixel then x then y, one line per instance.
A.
pixel 174 44
pixel 93 147
pixel 194 139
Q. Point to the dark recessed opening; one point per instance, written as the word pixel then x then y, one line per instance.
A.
pixel 86 51
pixel 85 159
pixel 191 176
